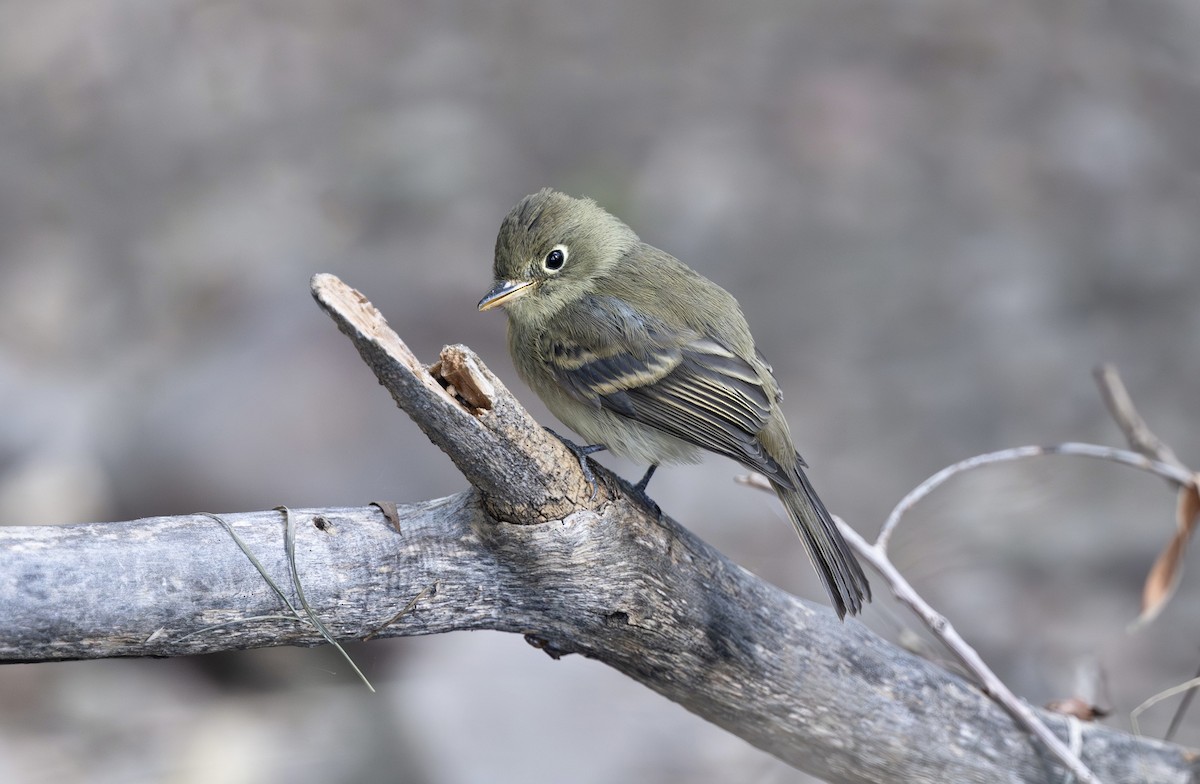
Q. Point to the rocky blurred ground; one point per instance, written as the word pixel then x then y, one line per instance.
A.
pixel 938 215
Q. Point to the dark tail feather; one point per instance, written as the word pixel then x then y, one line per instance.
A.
pixel 835 562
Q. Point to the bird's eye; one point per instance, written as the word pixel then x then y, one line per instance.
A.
pixel 555 259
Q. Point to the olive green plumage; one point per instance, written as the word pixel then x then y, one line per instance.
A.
pixel 634 350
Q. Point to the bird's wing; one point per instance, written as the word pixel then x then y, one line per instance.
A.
pixel 681 382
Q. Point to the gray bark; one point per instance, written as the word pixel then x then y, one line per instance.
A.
pixel 527 551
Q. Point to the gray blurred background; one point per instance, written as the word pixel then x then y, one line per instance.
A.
pixel 938 215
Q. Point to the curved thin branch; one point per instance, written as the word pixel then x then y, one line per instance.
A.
pixel 1169 471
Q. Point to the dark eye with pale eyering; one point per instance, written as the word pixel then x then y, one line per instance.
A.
pixel 555 259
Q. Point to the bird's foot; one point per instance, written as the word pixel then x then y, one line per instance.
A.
pixel 639 492
pixel 581 454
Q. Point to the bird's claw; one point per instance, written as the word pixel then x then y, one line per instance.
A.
pixel 639 492
pixel 581 454
pixel 587 473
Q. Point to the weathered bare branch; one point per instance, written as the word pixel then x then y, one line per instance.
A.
pixel 527 552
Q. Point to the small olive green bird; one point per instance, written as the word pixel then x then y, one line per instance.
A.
pixel 642 355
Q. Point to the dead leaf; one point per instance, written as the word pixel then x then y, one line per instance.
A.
pixel 391 512
pixel 1077 707
pixel 1168 568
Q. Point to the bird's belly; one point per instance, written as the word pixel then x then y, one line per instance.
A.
pixel 625 437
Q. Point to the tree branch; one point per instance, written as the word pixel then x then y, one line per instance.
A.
pixel 601 578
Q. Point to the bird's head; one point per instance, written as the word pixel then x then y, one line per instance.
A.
pixel 550 251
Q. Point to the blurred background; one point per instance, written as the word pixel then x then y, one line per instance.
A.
pixel 938 216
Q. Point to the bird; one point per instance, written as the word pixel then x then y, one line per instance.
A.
pixel 643 356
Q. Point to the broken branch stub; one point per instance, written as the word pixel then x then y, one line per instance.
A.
pixel 465 410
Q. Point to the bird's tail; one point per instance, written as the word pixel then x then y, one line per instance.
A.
pixel 839 570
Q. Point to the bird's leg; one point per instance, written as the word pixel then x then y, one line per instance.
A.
pixel 581 454
pixel 639 491
pixel 644 482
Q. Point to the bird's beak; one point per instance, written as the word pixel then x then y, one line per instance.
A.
pixel 503 291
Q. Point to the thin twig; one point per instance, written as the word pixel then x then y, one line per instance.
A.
pixel 1169 471
pixel 1181 711
pixel 1139 435
pixel 938 624
pixel 876 555
pixel 1150 702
